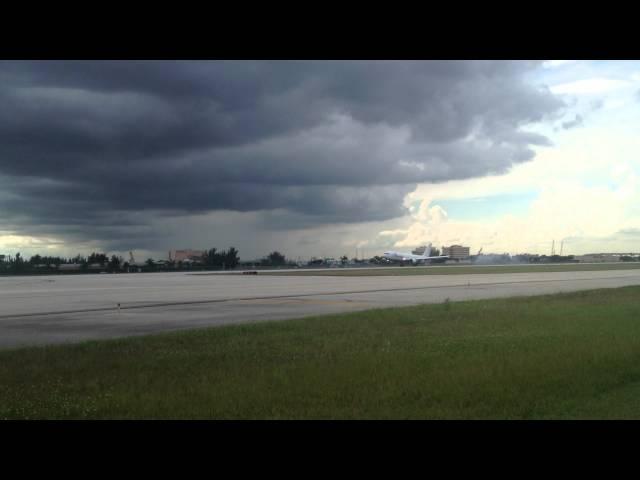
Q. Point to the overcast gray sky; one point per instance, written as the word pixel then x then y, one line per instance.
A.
pixel 309 157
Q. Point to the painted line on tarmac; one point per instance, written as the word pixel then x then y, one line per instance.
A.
pixel 272 297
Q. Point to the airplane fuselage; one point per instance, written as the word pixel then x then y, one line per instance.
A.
pixel 410 257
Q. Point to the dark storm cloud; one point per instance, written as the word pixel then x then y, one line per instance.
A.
pixel 83 143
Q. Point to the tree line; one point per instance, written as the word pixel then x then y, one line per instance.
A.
pixel 100 261
pixel 18 264
pixel 224 258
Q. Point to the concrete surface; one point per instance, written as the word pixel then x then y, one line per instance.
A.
pixel 68 308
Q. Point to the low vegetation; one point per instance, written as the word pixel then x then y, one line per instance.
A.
pixel 562 356
pixel 457 270
pixel 211 259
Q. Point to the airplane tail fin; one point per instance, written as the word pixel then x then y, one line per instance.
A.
pixel 427 250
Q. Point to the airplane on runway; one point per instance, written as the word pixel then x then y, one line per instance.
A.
pixel 414 259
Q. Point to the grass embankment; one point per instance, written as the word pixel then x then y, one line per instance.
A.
pixel 561 356
pixel 457 270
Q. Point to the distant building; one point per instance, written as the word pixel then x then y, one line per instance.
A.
pixel 456 252
pixel 598 258
pixel 187 255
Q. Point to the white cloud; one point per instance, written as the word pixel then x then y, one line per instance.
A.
pixel 557 63
pixel 587 190
pixel 562 211
pixel 589 86
pixel 15 243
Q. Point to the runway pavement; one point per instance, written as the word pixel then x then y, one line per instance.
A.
pixel 68 308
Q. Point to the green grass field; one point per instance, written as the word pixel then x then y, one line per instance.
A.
pixel 561 356
pixel 458 270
